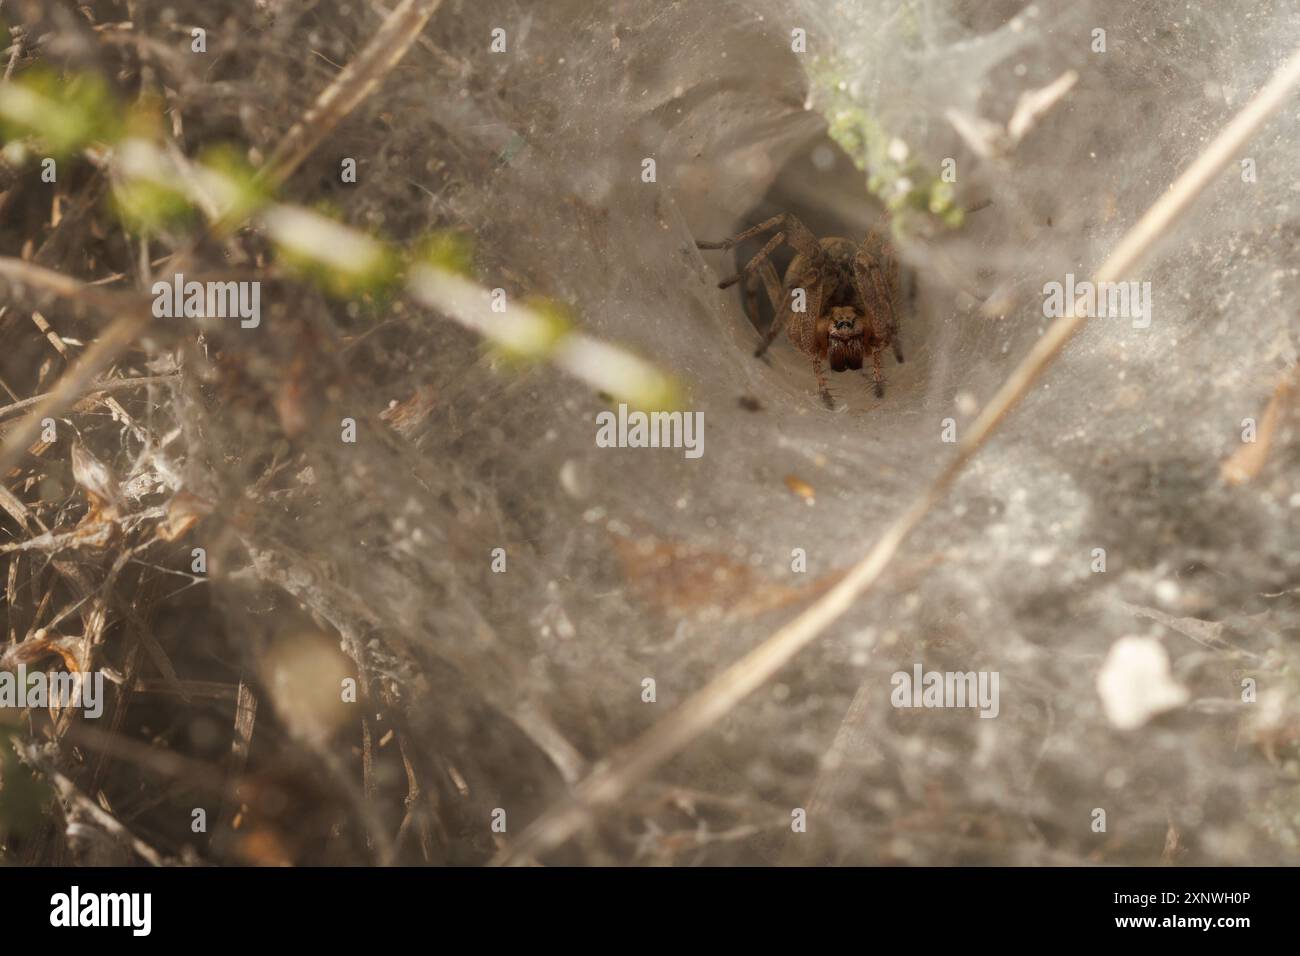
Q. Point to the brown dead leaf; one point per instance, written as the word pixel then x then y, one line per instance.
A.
pixel 263 847
pixel 38 647
pixel 405 417
pixel 680 579
pixel 184 511
pixel 801 488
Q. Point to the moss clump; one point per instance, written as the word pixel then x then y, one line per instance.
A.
pixel 907 188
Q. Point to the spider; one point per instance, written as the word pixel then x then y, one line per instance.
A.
pixel 839 298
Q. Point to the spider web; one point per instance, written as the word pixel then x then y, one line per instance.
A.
pixel 652 565
pixel 628 564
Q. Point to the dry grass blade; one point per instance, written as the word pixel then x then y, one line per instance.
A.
pixel 156 760
pixel 75 382
pixel 76 802
pixel 1247 462
pixel 241 745
pixel 716 699
pixel 349 89
pixel 30 275
pixel 357 81
pixel 102 388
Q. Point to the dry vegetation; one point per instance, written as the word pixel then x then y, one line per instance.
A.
pixel 130 441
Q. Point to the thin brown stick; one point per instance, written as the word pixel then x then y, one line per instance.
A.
pixel 115 385
pixel 357 81
pixel 51 336
pixel 28 274
pixel 75 382
pixel 720 696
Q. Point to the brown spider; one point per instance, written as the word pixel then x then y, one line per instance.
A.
pixel 848 295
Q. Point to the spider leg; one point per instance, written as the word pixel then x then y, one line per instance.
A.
pixel 785 313
pixel 805 331
pixel 767 226
pixel 823 389
pixel 802 240
pixel 875 374
pixel 755 262
pixel 877 285
pixel 779 321
pixel 799 236
pixel 767 277
pixel 773 283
